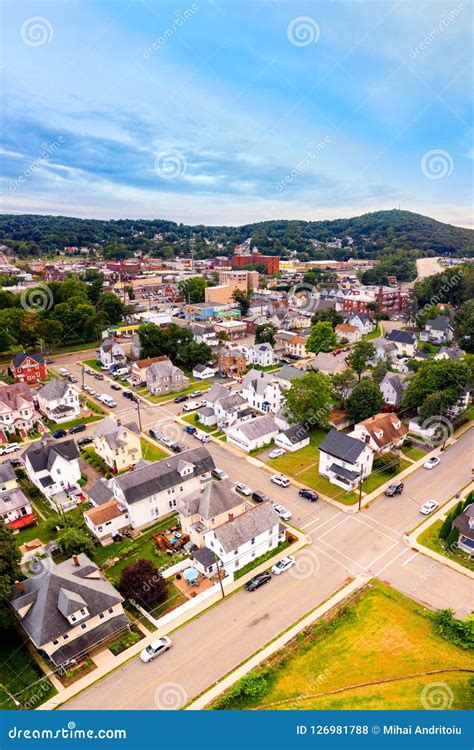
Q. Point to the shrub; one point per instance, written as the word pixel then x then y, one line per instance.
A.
pixel 252 687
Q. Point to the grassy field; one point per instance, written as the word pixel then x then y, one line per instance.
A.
pixel 18 671
pixel 196 385
pixel 383 638
pixel 93 364
pixel 151 452
pixel 414 453
pixel 192 419
pixel 375 480
pixel 430 539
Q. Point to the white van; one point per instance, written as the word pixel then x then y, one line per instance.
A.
pixel 63 371
pixel 108 401
pixel 121 371
pixel 202 436
pixel 9 448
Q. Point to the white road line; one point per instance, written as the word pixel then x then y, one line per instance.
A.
pixel 407 549
pixel 410 558
pixel 310 523
pixel 372 562
pixel 334 559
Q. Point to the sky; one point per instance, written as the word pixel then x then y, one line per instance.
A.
pixel 234 111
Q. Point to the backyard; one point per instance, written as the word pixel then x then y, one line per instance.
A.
pixel 151 452
pixel 380 652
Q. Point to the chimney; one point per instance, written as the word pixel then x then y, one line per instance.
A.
pixel 231 516
pixel 19 586
pixel 75 560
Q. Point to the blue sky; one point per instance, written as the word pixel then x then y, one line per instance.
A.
pixel 226 112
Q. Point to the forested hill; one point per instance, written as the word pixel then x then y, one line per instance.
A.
pixel 371 235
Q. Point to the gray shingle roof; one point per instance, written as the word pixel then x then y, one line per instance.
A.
pixel 19 358
pixel 288 372
pixel 296 433
pixel 247 526
pixel 342 446
pixel 217 392
pixel 54 389
pixel 401 337
pixel 6 472
pixel 42 456
pixel 215 498
pixel 100 493
pixel 158 476
pixel 205 556
pixel 256 428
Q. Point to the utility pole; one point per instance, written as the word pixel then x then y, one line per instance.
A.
pixel 360 492
pixel 139 416
pixel 82 371
pixel 216 560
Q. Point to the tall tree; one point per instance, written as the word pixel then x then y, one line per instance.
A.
pixel 265 333
pixel 322 338
pixel 328 313
pixel 365 400
pixel 192 289
pixel 9 571
pixel 360 356
pixel 309 400
pixel 243 299
pixel 143 583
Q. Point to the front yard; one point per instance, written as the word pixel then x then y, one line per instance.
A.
pixel 196 385
pixel 193 419
pixel 151 452
pixel 378 652
pixel 430 539
pixel 379 477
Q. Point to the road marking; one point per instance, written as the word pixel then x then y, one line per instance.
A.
pixel 410 558
pixel 310 523
pixel 407 549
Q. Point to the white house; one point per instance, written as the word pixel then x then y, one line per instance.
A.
pixel 404 341
pixel 111 353
pixel 240 541
pixel 349 333
pixel 393 386
pixel 438 331
pixel 259 354
pixel 106 521
pixel 15 508
pixel 293 438
pixel 153 491
pixel 231 410
pixel 203 372
pixel 54 469
pixel 59 401
pixel 344 460
pixel 384 351
pixel 262 391
pixel 362 321
pixel 17 410
pixel 254 434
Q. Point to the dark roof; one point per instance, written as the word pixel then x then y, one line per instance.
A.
pixel 296 433
pixel 88 639
pixel 55 388
pixel 342 446
pixel 53 590
pixel 441 323
pixel 401 337
pixel 100 493
pixel 19 358
pixel 6 472
pixel 212 500
pixel 42 456
pixel 342 472
pixel 159 476
pixel 462 522
pixel 205 556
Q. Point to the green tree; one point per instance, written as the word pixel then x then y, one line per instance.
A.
pixel 328 313
pixel 452 538
pixel 9 572
pixel 360 356
pixel 75 541
pixel 192 289
pixel 434 405
pixel 112 306
pixel 447 376
pixel 365 400
pixel 309 400
pixel 191 354
pixel 143 583
pixel 265 333
pixel 243 299
pixel 446 526
pixel 343 383
pixel 322 338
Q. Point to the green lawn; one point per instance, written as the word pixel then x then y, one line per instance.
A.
pixel 375 334
pixel 196 385
pixel 151 452
pixel 18 673
pixel 382 637
pixel 73 422
pixel 93 364
pixel 430 538
pixel 267 368
pixel 259 560
pixel 377 478
pixel 414 453
pixel 192 419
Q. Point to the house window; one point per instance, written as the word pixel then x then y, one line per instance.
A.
pixel 110 610
pixel 65 637
pixel 84 625
pixel 55 643
pixel 252 541
pixel 101 616
pixel 83 611
pixel 73 618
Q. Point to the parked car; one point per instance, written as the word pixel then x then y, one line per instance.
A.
pixel 155 433
pixel 190 429
pixel 177 448
pixel 115 387
pixel 281 511
pixel 280 480
pixel 49 361
pixel 244 489
pixel 156 648
pixel 59 433
pixel 15 461
pixel 259 496
pixel 127 394
pixel 258 581
pixel 180 399
pixel 98 376
pixel 310 495
pixel 72 378
pixel 77 428
pixel 432 462
pixel 190 406
pixel 429 507
pixel 166 441
pixel 219 474
pixel 86 440
pixel 63 371
pixel 195 394
pixel 394 489
pixel 277 453
pixel 135 398
pixel 9 448
pixel 283 565
pixel 92 391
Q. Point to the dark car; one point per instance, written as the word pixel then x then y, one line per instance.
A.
pixel 135 398
pixel 98 376
pixel 259 496
pixel 394 489
pixel 176 448
pixel 257 581
pixel 59 433
pixel 77 428
pixel 49 361
pixel 310 495
pixel 190 429
pixel 180 399
pixel 84 440
pixel 127 394
pixel 115 387
pixel 14 461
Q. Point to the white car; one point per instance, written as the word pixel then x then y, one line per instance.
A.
pixel 283 565
pixel 9 448
pixel 280 480
pixel 284 514
pixel 156 648
pixel 277 453
pixel 244 489
pixel 166 441
pixel 63 371
pixel 432 462
pixel 190 406
pixel 195 394
pixel 429 507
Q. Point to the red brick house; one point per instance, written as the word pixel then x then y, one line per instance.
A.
pixel 29 368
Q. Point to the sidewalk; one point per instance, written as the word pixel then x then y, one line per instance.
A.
pixel 210 695
pixel 106 664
